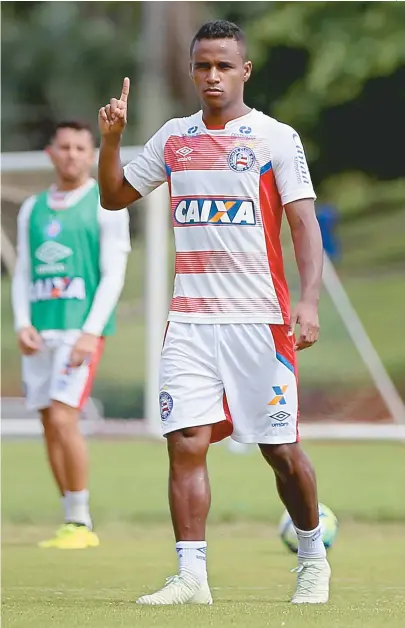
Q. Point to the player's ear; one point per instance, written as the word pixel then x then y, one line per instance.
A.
pixel 247 70
pixel 190 70
pixel 49 151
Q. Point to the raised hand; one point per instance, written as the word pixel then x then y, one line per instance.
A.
pixel 112 118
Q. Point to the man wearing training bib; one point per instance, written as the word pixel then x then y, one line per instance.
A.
pixel 71 264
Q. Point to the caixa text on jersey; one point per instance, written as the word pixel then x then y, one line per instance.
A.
pixel 57 288
pixel 214 211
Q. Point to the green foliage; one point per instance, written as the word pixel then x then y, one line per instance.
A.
pixel 64 59
pixel 347 44
pixel 61 60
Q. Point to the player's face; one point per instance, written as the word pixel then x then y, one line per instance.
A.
pixel 219 72
pixel 72 154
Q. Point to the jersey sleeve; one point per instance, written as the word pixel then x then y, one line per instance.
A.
pixel 290 167
pixel 21 280
pixel 147 171
pixel 114 229
pixel 115 244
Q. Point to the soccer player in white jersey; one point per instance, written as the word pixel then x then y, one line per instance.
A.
pixel 71 263
pixel 228 364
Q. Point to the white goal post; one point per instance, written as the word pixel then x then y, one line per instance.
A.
pixel 157 292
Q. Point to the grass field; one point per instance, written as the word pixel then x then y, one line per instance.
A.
pixel 249 568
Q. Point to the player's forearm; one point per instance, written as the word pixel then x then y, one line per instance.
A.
pixel 309 255
pixel 110 174
pixel 107 295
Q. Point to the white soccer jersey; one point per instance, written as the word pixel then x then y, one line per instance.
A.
pixel 227 189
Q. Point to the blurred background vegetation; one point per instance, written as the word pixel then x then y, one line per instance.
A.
pixel 333 70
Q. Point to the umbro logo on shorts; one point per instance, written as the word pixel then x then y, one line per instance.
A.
pixel 281 418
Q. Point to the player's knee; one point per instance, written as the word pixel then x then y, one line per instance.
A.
pixel 49 429
pixel 189 446
pixel 282 458
pixel 62 418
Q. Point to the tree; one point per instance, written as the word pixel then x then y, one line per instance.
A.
pixel 61 60
pixel 330 69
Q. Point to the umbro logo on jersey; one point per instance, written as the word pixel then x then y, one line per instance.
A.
pixel 214 211
pixel 184 153
pixel 51 252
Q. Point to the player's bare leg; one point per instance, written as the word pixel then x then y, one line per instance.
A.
pixel 65 421
pixel 63 424
pixel 190 499
pixel 296 485
pixel 296 482
pixel 189 487
pixel 54 451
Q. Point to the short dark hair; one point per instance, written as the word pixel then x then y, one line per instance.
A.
pixel 76 125
pixel 219 29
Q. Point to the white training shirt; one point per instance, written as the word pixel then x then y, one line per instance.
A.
pixel 227 190
pixel 115 244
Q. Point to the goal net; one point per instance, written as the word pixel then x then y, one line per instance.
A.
pixel 345 390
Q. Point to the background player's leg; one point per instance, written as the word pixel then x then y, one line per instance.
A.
pixel 54 453
pixel 65 422
pixel 189 488
pixel 69 387
pixel 296 482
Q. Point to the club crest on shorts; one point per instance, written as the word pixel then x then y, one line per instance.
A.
pixel 241 159
pixel 166 405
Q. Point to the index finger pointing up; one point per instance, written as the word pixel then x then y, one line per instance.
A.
pixel 125 89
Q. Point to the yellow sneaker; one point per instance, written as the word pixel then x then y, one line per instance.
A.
pixel 71 536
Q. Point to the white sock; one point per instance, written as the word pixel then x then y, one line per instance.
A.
pixel 192 557
pixel 77 507
pixel 310 544
pixel 63 502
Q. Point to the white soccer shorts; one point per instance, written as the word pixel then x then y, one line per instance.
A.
pixel 241 378
pixel 47 376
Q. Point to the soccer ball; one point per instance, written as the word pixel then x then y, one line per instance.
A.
pixel 329 528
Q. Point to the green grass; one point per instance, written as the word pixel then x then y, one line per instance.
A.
pixel 249 568
pixel 249 574
pixel 128 481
